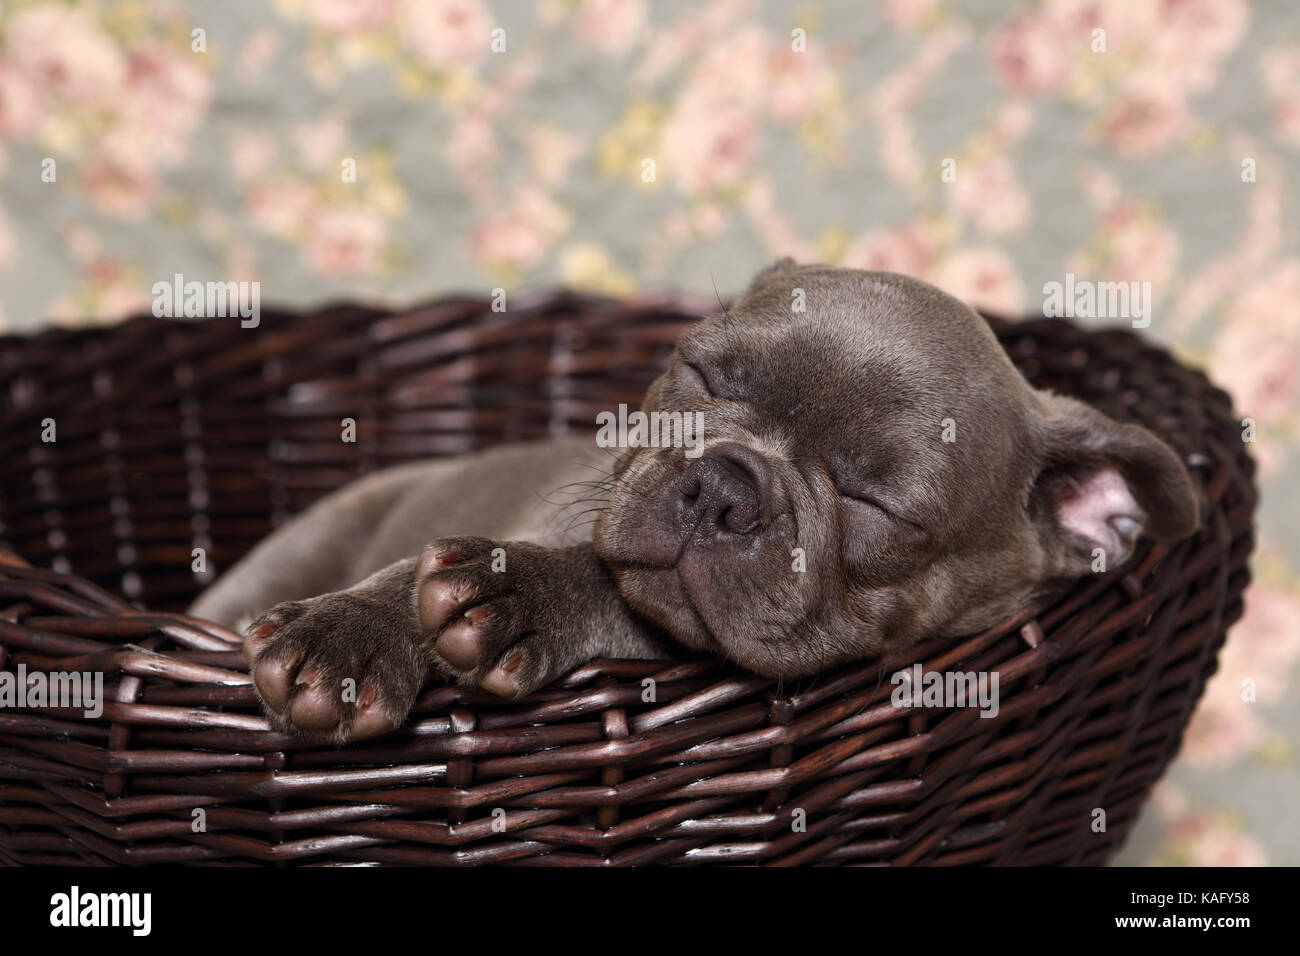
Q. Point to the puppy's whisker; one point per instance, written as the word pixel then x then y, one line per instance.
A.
pixel 577 520
pixel 575 488
pixel 722 305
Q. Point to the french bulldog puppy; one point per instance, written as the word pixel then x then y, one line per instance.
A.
pixel 874 471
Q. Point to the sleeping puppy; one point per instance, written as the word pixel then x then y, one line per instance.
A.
pixel 873 471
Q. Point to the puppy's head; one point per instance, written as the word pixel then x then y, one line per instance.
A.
pixel 874 471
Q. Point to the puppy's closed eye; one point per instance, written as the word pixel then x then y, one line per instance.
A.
pixel 695 380
pixel 700 379
pixel 870 503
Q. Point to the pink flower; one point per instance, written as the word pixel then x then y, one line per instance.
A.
pixel 1012 121
pixel 258 52
pixel 64 53
pixel 20 107
pixel 551 151
pixel 1140 124
pixel 1257 354
pixel 1204 839
pixel 1280 70
pixel 1029 54
pixel 709 220
pixel 1195 35
pixel 909 14
pixel 164 98
pixel 1224 728
pixel 108 293
pixel 1137 245
pixel 896 146
pixel 982 277
pixel 345 242
pixel 251 155
pixel 508 242
pixel 520 235
pixel 706 148
pixel 1262 376
pixel 890 250
pixel 989 195
pixel 120 191
pixel 446 33
pixel 282 207
pixel 798 84
pixel 472 145
pixel 734 69
pixel 610 26
pixel 1075 20
pixel 348 16
pixel 1266 641
pixel 320 142
pixel 1262 648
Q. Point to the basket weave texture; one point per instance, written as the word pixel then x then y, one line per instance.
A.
pixel 173 436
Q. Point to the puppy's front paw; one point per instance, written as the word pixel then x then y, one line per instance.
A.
pixel 339 667
pixel 483 605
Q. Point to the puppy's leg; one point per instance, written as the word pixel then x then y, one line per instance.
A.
pixel 511 617
pixel 310 555
pixel 507 617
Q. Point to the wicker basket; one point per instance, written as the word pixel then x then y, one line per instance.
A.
pixel 173 436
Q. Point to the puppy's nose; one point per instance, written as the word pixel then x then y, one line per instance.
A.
pixel 723 490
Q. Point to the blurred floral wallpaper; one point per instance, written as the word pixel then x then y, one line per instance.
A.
pixel 629 145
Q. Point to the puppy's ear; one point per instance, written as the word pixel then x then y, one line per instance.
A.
pixel 782 266
pixel 1102 484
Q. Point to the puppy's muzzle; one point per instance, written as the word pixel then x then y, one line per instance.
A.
pixel 723 491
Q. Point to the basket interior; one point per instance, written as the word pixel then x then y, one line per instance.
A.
pixel 172 435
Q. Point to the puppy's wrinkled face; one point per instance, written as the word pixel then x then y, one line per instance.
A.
pixel 874 471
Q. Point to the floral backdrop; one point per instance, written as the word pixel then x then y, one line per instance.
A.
pixel 623 145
